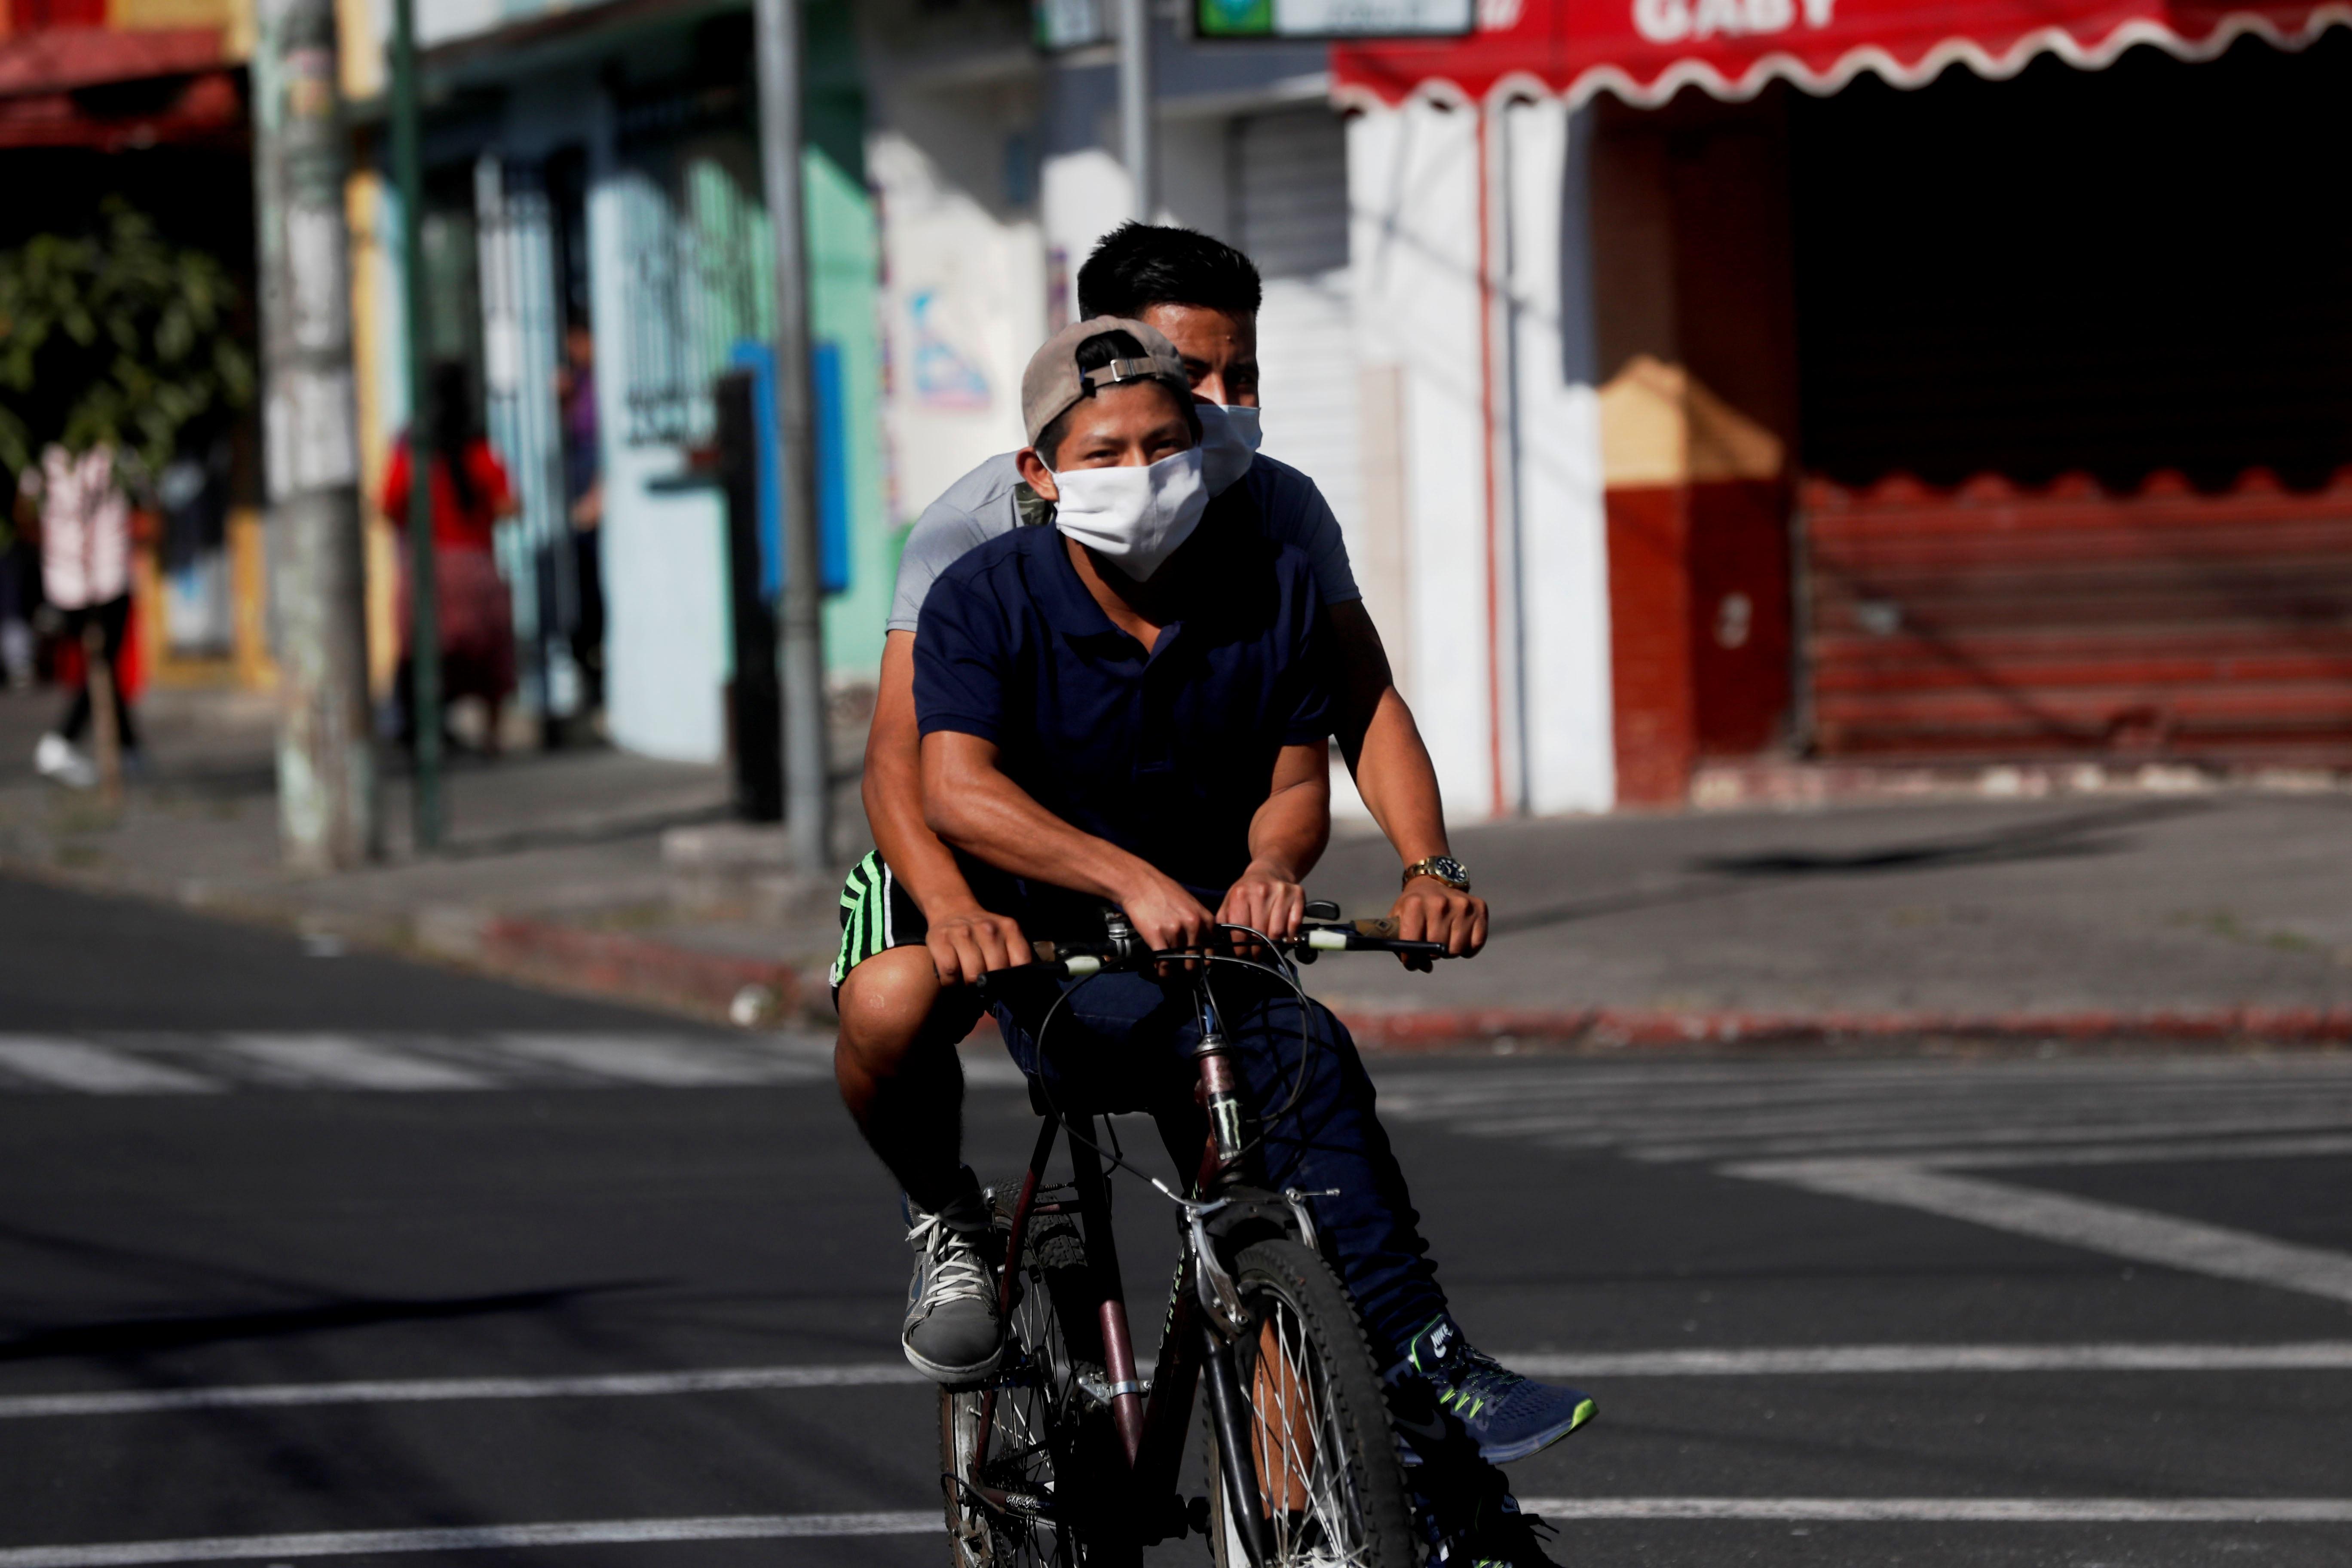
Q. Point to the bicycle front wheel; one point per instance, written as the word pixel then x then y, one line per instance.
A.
pixel 1329 1487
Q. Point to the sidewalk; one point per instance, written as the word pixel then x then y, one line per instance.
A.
pixel 2212 916
pixel 553 871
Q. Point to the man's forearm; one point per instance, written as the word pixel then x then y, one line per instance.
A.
pixel 1377 735
pixel 893 791
pixel 971 804
pixel 1397 782
pixel 925 866
pixel 1289 831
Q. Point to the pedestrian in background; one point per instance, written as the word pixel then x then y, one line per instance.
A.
pixel 473 611
pixel 75 506
pixel 583 500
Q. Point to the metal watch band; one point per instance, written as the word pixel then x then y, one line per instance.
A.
pixel 1444 868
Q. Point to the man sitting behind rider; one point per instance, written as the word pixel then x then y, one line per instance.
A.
pixel 1132 708
pixel 915 934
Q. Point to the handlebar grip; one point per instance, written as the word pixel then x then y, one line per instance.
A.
pixel 1366 936
pixel 1074 965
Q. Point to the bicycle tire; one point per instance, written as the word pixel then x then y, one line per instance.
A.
pixel 1345 1501
pixel 1052 1438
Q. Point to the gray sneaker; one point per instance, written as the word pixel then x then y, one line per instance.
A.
pixel 953 1333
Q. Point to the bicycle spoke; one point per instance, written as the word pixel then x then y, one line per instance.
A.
pixel 1300 1457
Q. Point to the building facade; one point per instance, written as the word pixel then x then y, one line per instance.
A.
pixel 598 166
pixel 142 102
pixel 1879 384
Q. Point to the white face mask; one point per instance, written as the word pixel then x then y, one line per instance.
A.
pixel 1134 517
pixel 1229 439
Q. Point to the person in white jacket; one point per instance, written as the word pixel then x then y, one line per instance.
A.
pixel 76 507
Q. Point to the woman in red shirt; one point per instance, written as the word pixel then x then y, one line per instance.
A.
pixel 475 613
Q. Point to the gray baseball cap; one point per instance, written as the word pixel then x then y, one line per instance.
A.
pixel 1053 382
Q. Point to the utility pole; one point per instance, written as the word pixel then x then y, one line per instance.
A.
pixel 1136 133
pixel 424 585
pixel 326 758
pixel 808 805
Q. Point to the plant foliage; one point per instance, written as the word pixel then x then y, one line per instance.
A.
pixel 117 337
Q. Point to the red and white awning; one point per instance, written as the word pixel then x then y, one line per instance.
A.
pixel 1645 51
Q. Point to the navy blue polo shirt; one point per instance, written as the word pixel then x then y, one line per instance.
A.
pixel 1167 752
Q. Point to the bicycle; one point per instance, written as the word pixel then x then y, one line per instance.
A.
pixel 1065 1456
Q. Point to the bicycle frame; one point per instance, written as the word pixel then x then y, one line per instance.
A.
pixel 1193 1348
pixel 1205 1313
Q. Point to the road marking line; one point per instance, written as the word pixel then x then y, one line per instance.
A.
pixel 666 1060
pixel 2311 1355
pixel 2111 1228
pixel 346 1061
pixel 1953 1510
pixel 716 1380
pixel 1733 1142
pixel 2127 1154
pixel 803 1526
pixel 479 1538
pixel 60 1063
pixel 2317 1355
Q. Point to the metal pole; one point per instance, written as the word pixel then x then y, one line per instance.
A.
pixel 1136 133
pixel 424 618
pixel 326 759
pixel 807 795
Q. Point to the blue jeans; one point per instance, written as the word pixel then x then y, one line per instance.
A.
pixel 1123 1042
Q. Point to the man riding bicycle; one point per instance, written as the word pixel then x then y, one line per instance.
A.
pixel 1131 708
pixel 915 934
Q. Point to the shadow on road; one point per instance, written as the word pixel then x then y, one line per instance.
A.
pixel 2080 834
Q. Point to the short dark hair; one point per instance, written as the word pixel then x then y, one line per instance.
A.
pixel 1093 354
pixel 1140 265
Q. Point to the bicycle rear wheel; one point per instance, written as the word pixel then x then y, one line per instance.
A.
pixel 1325 1457
pixel 1050 1433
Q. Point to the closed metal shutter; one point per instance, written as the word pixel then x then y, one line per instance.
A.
pixel 2083 466
pixel 1287 184
pixel 1987 624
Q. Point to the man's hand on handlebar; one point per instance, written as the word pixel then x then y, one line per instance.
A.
pixel 967 943
pixel 1267 898
pixel 1432 910
pixel 1164 915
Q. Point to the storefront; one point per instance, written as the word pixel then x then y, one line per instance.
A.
pixel 597 167
pixel 1867 382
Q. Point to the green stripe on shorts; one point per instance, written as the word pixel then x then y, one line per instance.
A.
pixel 864 915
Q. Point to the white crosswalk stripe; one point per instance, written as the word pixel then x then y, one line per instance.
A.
pixel 1897 1133
pixel 674 1063
pixel 1921 1113
pixel 383 1061
pixel 346 1061
pixel 46 1061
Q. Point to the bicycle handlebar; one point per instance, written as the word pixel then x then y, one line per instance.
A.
pixel 1077 959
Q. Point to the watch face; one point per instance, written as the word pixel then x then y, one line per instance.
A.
pixel 1446 868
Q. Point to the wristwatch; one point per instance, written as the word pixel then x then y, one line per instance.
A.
pixel 1444 868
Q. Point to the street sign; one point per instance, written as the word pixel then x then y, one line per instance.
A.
pixel 1332 18
pixel 1069 23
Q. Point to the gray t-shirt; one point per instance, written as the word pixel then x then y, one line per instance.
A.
pixel 991 500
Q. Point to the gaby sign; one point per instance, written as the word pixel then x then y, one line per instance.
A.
pixel 1647 50
pixel 1671 21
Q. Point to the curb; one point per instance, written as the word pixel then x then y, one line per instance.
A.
pixel 715 985
pixel 633 969
pixel 1611 1028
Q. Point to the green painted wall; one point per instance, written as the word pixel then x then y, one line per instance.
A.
pixel 845 257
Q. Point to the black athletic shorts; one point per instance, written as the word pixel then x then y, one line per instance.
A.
pixel 876 914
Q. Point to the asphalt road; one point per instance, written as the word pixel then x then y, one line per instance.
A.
pixel 1835 1312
